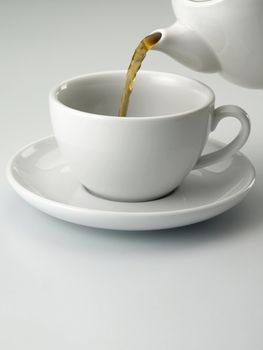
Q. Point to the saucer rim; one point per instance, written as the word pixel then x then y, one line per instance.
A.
pixel 27 193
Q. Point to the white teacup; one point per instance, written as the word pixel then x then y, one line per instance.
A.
pixel 147 154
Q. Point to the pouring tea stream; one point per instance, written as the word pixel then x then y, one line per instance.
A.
pixel 209 36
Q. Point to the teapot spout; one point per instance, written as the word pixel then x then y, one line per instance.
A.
pixel 187 47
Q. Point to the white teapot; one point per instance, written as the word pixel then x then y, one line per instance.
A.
pixel 223 36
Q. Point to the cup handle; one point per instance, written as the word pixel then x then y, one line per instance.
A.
pixel 230 149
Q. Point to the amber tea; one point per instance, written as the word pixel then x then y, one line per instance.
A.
pixel 145 45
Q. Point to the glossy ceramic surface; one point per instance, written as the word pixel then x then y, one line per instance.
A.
pixel 218 36
pixel 147 154
pixel 40 175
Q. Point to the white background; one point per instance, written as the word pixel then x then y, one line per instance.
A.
pixel 64 286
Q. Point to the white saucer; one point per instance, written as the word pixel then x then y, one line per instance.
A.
pixel 39 174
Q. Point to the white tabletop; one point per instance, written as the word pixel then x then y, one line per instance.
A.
pixel 64 286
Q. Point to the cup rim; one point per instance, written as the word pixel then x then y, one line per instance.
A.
pixel 53 98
